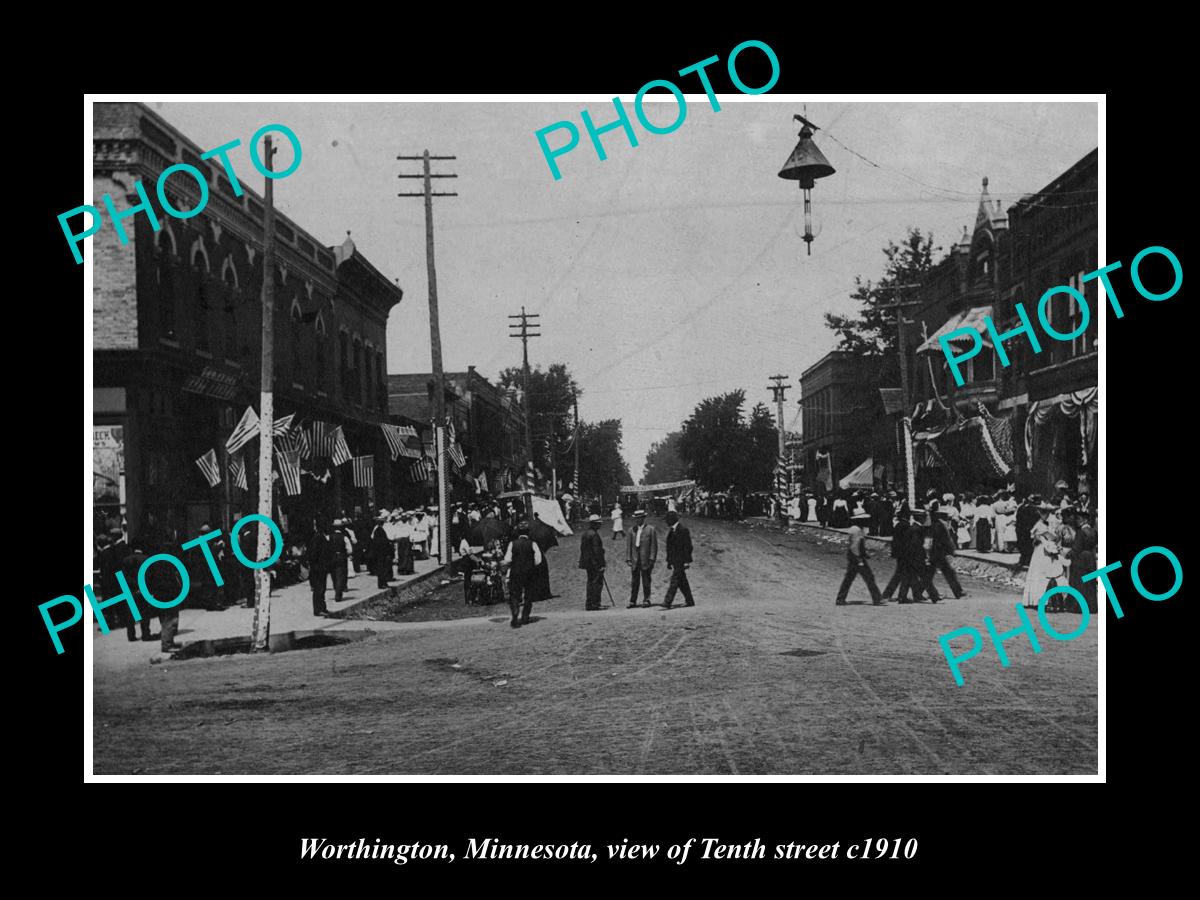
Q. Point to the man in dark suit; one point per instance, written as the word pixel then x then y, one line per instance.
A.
pixel 1027 514
pixel 679 557
pixel 341 554
pixel 591 560
pixel 899 578
pixel 248 541
pixel 915 571
pixel 521 559
pixel 318 556
pixel 379 551
pixel 641 552
pixel 942 549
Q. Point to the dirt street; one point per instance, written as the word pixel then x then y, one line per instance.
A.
pixel 764 676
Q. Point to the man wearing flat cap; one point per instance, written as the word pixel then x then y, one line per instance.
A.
pixel 641 552
pixel 591 560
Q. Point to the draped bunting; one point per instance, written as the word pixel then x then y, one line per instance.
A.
pixel 1079 404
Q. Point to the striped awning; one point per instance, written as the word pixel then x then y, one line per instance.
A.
pixel 972 318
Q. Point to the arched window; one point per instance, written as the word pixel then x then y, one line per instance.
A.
pixel 203 290
pixel 344 364
pixel 297 329
pixel 319 354
pixel 358 367
pixel 229 281
pixel 382 376
pixel 165 271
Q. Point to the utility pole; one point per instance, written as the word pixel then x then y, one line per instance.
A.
pixel 266 411
pixel 779 389
pixel 522 331
pixel 905 420
pixel 578 477
pixel 435 345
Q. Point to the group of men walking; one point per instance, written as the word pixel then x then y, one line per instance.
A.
pixel 922 547
pixel 641 555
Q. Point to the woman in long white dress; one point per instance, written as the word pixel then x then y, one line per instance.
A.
pixel 1046 568
pixel 618 522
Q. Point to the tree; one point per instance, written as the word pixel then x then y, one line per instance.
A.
pixel 552 394
pixel 872 333
pixel 604 468
pixel 663 462
pixel 763 449
pixel 715 442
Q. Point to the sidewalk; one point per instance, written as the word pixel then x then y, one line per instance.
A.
pixel 291 611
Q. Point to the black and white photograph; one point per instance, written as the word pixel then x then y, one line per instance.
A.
pixel 530 437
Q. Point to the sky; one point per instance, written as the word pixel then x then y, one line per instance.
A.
pixel 669 272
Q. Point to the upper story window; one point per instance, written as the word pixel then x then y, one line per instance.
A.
pixel 165 266
pixel 202 291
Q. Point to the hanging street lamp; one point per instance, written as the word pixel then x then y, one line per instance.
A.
pixel 806 165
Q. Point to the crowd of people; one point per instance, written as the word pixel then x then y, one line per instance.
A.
pixel 1055 539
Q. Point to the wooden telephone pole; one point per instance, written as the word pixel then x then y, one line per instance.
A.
pixel 906 408
pixel 522 331
pixel 266 412
pixel 779 389
pixel 435 345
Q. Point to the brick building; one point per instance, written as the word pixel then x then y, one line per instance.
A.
pixel 489 425
pixel 177 339
pixel 843 420
pixel 1033 422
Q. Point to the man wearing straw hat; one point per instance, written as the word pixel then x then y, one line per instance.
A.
pixel 856 561
pixel 591 560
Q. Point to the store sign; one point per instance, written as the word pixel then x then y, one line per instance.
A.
pixel 108 463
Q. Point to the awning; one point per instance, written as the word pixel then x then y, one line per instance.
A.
pixel 972 318
pixel 863 476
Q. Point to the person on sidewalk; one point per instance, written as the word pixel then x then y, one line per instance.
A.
pixel 130 563
pixel 342 549
pixel 591 560
pixel 1046 568
pixel 1026 516
pixel 679 557
pixel 248 541
pixel 941 549
pixel 379 552
pixel 856 561
pixel 641 552
pixel 319 558
pixel 521 559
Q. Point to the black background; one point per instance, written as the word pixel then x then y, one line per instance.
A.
pixel 988 833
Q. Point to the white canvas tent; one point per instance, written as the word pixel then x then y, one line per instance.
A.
pixel 862 477
pixel 551 513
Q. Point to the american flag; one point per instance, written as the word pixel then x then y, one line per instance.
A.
pixel 296 441
pixel 280 426
pixel 410 453
pixel 419 471
pixel 340 452
pixel 208 466
pixel 246 430
pixel 456 456
pixel 289 469
pixel 237 471
pixel 395 441
pixel 364 471
pixel 320 440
